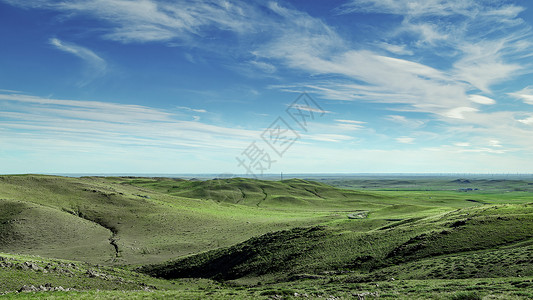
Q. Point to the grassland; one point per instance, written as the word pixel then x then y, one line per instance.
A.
pixel 130 237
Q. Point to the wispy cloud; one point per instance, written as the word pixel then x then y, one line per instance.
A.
pixel 395 49
pixel 308 108
pixel 439 60
pixel 527 121
pixel 151 20
pixel 328 137
pixel 99 123
pixel 350 124
pixel 483 44
pixel 462 144
pixel 482 99
pixel 192 109
pixel 482 63
pixel 351 121
pixel 421 8
pixel 95 65
pixel 405 140
pixel 263 66
pixel 405 122
pixel 525 95
pixel 459 112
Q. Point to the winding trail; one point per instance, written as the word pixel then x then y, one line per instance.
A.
pixel 243 196
pixel 264 198
pixel 113 241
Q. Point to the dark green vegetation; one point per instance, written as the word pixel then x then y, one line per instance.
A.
pixel 442 238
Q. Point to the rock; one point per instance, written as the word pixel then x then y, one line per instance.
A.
pixel 32 266
pixel 363 295
pixel 92 274
pixel 28 288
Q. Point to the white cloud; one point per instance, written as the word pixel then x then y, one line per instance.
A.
pixel 106 111
pixel 478 50
pixel 192 109
pixel 405 140
pixel 481 56
pixel 10 91
pixel 478 62
pixel 299 41
pixel 483 150
pixel 527 121
pixel 350 121
pixel 396 49
pixel 480 146
pixel 495 143
pixel 100 124
pixel 462 144
pixel 459 112
pixel 323 137
pixel 263 66
pixel 96 66
pixel 422 8
pixel 308 108
pixel 429 34
pixel 152 20
pixel 482 64
pixel 349 124
pixel 525 95
pixel 402 120
pixel 482 100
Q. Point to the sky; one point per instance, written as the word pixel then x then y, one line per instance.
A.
pixel 257 87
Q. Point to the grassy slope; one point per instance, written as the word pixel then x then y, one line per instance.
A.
pixel 98 282
pixel 410 235
pixel 148 224
pixel 303 250
pixel 294 193
pixel 37 229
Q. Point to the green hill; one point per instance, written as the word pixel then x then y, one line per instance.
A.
pixel 138 220
pixel 35 229
pixel 246 238
pixel 319 250
pixel 294 193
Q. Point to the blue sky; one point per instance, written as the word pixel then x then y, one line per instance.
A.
pixel 149 86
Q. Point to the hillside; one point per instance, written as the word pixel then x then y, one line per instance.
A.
pixel 378 254
pixel 241 238
pixel 125 221
pixel 294 193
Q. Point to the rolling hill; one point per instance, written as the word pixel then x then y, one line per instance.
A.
pixel 245 238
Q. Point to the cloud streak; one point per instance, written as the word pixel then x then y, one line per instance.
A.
pixel 141 127
pixel 437 69
pixel 95 65
pixel 156 21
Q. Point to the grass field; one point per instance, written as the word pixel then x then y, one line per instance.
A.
pixel 129 237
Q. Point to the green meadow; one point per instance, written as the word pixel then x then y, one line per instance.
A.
pixel 237 238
